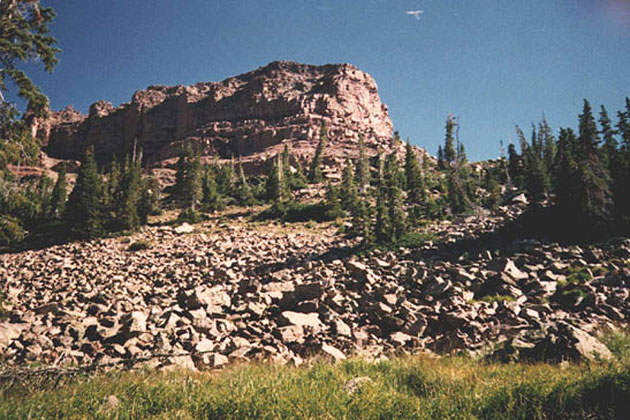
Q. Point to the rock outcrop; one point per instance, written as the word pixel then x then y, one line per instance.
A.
pixel 251 115
pixel 230 292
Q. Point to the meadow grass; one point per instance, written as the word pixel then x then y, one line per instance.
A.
pixel 414 387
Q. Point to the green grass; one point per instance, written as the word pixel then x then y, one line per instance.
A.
pixel 418 387
pixel 495 298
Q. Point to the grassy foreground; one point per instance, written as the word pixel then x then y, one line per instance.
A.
pixel 418 387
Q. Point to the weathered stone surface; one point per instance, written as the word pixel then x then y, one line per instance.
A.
pixel 247 115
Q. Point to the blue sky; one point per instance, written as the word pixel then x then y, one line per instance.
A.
pixel 493 63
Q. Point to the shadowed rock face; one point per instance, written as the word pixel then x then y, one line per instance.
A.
pixel 249 116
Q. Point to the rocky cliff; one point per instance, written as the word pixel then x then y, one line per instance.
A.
pixel 249 116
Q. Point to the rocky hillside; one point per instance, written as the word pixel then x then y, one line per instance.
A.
pixel 248 116
pixel 233 289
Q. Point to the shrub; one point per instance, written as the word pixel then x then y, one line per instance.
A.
pixel 139 245
pixel 11 231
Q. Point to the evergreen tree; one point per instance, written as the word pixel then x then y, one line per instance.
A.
pixel 112 186
pixel 515 166
pixel 192 182
pixel 588 139
pixel 594 196
pixel 128 217
pixel 440 158
pixel 383 226
pixel 316 175
pixel 491 185
pixel 59 195
pixel 566 172
pixel 276 187
pixel 537 181
pixel 348 188
pixel 461 154
pixel 225 178
pixel 449 144
pixel 397 218
pixel 548 144
pixel 149 200
pixel 413 175
pixel 333 203
pixel 609 148
pixel 244 191
pixel 361 225
pixel 26 39
pixel 212 199
pixel 84 209
pixel 363 166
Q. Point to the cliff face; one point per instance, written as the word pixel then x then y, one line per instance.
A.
pixel 249 116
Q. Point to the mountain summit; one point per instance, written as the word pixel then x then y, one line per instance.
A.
pixel 247 116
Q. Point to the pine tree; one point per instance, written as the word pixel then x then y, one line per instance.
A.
pixel 149 200
pixel 59 195
pixel 112 186
pixel 548 144
pixel 491 185
pixel 84 209
pixel 244 191
pixel 192 182
pixel 225 178
pixel 316 175
pixel 440 158
pixel 363 166
pixel 348 188
pixel 397 218
pixel 212 199
pixel 333 202
pixel 383 226
pixel 128 217
pixel 594 196
pixel 361 225
pixel 588 138
pixel 276 189
pixel 566 172
pixel 537 181
pixel 413 175
pixel 450 154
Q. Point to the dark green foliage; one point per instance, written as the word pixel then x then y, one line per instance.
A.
pixel 244 194
pixel 130 195
pixel 84 212
pixel 361 221
pixel 516 167
pixel 11 230
pixel 348 188
pixel 608 153
pixel 293 212
pixel 149 204
pixel 363 166
pixel 189 215
pixel 25 39
pixel 334 208
pixel 225 179
pixel 491 185
pixel 316 175
pixel 537 182
pixel 187 191
pixel 594 198
pixel 211 197
pixel 139 246
pixel 413 175
pixel 450 154
pixel 457 193
pixel 276 186
pixel 391 220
